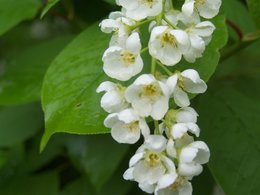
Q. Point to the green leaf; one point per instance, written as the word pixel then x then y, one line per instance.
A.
pixel 13 12
pixel 23 73
pixel 206 65
pixel 19 123
pixel 3 158
pixel 229 119
pixel 98 156
pixel 48 6
pixel 239 15
pixel 254 7
pixel 69 97
pixel 44 184
pixel 112 2
pixel 78 187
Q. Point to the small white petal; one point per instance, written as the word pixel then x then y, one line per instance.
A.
pixel 189 169
pixel 181 98
pixel 170 149
pixel 128 175
pixel 136 158
pixel 156 143
pixel 186 115
pixel 178 130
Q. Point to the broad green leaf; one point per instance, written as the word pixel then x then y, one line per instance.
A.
pixel 78 187
pixel 19 123
pixel 3 158
pixel 48 6
pixel 98 156
pixel 23 73
pixel 13 12
pixel 206 65
pixel 254 7
pixel 44 184
pixel 229 119
pixel 113 2
pixel 237 12
pixel 69 97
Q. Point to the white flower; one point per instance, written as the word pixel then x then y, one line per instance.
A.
pixel 122 63
pixel 192 157
pixel 178 123
pixel 113 100
pixel 148 96
pixel 126 126
pixel 141 9
pixel 206 8
pixel 199 33
pixel 180 187
pixel 150 167
pixel 168 45
pixel 119 25
pixel 186 81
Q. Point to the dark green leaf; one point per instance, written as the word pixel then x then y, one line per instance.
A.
pixel 229 119
pixel 239 15
pixel 254 7
pixel 69 97
pixel 98 156
pixel 13 12
pixel 22 78
pixel 48 6
pixel 19 123
pixel 45 184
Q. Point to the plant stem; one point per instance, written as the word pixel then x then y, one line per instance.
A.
pixel 169 23
pixel 165 69
pixel 153 66
pixel 144 50
pixel 156 128
pixel 141 23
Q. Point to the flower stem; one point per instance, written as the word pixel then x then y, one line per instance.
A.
pixel 169 23
pixel 165 69
pixel 153 66
pixel 142 23
pixel 144 50
pixel 156 128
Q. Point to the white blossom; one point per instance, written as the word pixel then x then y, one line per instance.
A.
pixel 199 33
pixel 126 126
pixel 186 81
pixel 124 62
pixel 181 187
pixel 113 100
pixel 148 96
pixel 168 45
pixel 192 157
pixel 119 25
pixel 141 9
pixel 150 167
pixel 206 8
pixel 178 122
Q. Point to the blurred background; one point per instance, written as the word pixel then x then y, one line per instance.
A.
pixel 93 165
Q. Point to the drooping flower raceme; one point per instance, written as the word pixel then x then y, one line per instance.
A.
pixel 153 103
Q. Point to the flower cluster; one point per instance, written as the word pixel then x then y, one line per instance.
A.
pixel 156 104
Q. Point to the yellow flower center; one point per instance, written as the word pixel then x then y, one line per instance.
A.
pixel 152 91
pixel 168 38
pixel 128 58
pixel 149 3
pixel 152 159
pixel 178 183
pixel 199 3
pixel 132 127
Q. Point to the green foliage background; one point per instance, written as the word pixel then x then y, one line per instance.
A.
pixel 50 66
